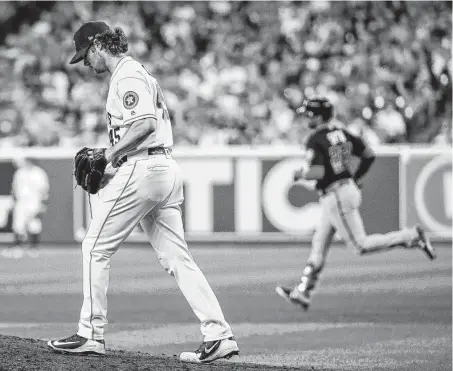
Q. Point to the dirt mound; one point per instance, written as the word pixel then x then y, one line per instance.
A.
pixel 19 354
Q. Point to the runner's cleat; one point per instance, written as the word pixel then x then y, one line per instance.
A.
pixel 424 243
pixel 294 296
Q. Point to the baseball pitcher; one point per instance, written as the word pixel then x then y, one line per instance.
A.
pixel 137 181
pixel 329 152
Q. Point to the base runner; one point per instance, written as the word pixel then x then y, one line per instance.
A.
pixel 329 153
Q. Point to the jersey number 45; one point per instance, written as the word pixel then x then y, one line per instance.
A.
pixel 114 135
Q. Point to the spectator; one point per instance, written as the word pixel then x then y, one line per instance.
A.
pixel 234 72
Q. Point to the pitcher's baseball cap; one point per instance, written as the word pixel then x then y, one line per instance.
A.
pixel 84 36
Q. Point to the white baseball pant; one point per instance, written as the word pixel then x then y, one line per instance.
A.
pixel 340 212
pixel 149 191
pixel 25 216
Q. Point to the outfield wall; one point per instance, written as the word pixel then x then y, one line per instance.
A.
pixel 247 194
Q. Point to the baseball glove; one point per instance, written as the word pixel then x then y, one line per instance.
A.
pixel 89 168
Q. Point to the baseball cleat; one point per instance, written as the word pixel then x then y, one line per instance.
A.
pixel 424 243
pixel 76 344
pixel 211 350
pixel 294 296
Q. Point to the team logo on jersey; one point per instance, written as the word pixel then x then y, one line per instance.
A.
pixel 130 99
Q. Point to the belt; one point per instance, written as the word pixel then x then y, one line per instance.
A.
pixel 151 151
pixel 333 186
pixel 159 151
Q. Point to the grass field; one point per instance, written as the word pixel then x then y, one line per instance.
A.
pixel 384 312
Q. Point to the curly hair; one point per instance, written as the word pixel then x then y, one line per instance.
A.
pixel 114 41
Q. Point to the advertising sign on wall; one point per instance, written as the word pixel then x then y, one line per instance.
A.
pixel 6 201
pixel 255 198
pixel 428 192
pixel 245 194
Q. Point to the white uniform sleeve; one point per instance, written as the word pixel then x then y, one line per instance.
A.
pixel 138 99
pixel 15 183
pixel 45 186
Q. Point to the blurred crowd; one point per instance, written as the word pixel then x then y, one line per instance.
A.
pixel 234 72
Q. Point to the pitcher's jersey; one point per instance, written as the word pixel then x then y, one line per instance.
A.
pixel 134 94
pixel 333 148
